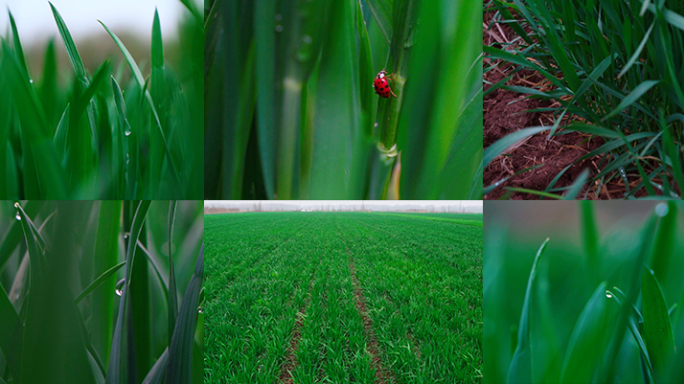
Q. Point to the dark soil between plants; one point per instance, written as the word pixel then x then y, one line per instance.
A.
pixel 505 112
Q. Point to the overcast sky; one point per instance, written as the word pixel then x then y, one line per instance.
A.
pixel 467 205
pixel 35 20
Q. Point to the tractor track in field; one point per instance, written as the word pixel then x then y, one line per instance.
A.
pixel 295 336
pixel 382 375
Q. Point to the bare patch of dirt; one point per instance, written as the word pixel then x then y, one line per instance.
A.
pixel 296 335
pixel 373 347
pixel 506 112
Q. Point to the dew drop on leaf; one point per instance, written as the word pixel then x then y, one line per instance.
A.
pixel 119 287
pixel 200 310
pixel 661 209
pixel 18 217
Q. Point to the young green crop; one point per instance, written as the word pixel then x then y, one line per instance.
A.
pixel 100 137
pixel 591 306
pixel 363 295
pixel 291 112
pixel 65 319
pixel 616 72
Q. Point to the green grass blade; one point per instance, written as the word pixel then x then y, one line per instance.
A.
pixel 10 333
pixel 137 75
pixel 173 295
pixel 336 123
pixel 17 45
pixel 506 142
pixel 98 281
pixel 588 339
pixel 116 354
pixel 61 134
pixel 47 354
pixel 664 245
pixel 637 52
pixel 156 374
pixel 577 185
pixel 382 12
pixel 159 92
pixel 102 300
pixel 658 333
pixel 590 240
pixel 79 71
pixel 633 96
pixel 520 369
pixel 180 349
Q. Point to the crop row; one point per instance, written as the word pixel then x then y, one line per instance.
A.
pixel 342 297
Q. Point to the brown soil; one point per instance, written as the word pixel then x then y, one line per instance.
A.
pixel 381 374
pixel 296 335
pixel 506 112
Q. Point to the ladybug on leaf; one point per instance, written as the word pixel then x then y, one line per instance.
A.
pixel 381 85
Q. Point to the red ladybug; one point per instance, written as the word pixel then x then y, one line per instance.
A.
pixel 381 85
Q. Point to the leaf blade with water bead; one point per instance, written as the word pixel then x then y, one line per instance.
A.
pixel 137 75
pixel 116 354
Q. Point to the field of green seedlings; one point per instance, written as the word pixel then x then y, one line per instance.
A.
pixel 291 112
pixel 124 130
pixel 582 302
pixel 613 70
pixel 101 292
pixel 322 297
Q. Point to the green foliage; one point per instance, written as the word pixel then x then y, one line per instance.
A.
pixel 592 309
pixel 617 70
pixel 291 113
pixel 94 139
pixel 61 317
pixel 420 276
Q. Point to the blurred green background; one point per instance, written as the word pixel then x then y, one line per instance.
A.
pixel 588 312
pixel 290 111
pixel 66 133
pixel 88 292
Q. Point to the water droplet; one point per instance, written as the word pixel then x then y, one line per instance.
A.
pixel 119 287
pixel 306 39
pixel 127 132
pixel 126 235
pixel 375 125
pixel 31 81
pixel 661 209
pixel 279 17
pixel 279 28
pixel 16 205
pixel 200 310
pixel 18 217
pixel 128 159
pixel 609 295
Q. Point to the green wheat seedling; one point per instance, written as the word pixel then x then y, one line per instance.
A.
pixel 617 71
pixel 607 310
pixel 101 292
pixel 102 137
pixel 343 297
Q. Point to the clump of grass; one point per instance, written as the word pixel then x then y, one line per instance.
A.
pixel 64 318
pixel 291 112
pixel 101 138
pixel 590 307
pixel 616 69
